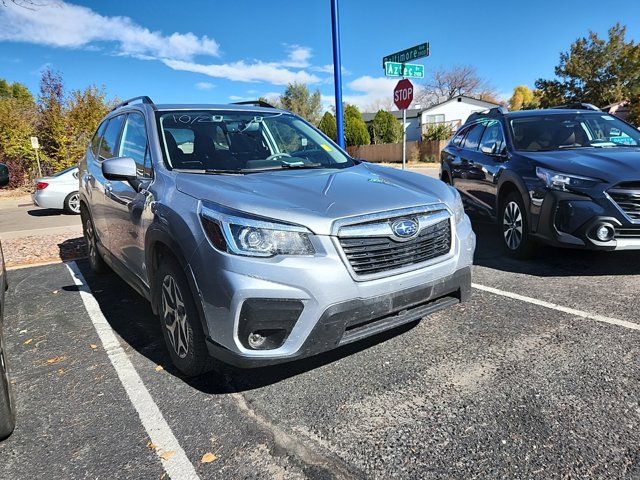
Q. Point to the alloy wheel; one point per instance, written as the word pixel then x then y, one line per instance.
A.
pixel 175 316
pixel 74 203
pixel 512 225
pixel 91 240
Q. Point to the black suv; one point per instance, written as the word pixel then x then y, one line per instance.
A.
pixel 566 176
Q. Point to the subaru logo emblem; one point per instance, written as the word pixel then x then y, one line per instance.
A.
pixel 404 228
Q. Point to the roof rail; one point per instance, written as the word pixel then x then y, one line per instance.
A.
pixel 490 112
pixel 255 103
pixel 578 106
pixel 144 99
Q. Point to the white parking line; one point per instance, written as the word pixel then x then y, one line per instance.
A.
pixel 171 454
pixel 560 308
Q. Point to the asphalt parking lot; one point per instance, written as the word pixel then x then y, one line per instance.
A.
pixel 505 386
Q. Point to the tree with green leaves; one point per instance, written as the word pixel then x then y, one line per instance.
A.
pixel 51 129
pixel 595 70
pixel 298 99
pixel 83 111
pixel 328 126
pixel 355 130
pixel 385 128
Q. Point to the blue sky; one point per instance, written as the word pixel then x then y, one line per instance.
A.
pixel 213 51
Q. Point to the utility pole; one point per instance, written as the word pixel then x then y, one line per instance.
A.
pixel 337 71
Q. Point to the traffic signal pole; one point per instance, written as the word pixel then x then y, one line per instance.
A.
pixel 337 71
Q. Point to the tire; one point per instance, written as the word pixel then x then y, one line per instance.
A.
pixel 96 262
pixel 72 204
pixel 7 408
pixel 514 228
pixel 180 320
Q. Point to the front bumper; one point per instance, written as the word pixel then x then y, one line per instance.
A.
pixel 564 219
pixel 336 308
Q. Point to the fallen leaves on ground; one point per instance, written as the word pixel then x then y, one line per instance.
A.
pixel 53 360
pixel 93 346
pixel 166 455
pixel 27 342
pixel 151 445
pixel 159 368
pixel 208 457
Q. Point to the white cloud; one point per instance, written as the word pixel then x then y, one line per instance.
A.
pixel 368 93
pixel 204 85
pixel 246 72
pixel 62 24
pixel 298 57
pixel 66 25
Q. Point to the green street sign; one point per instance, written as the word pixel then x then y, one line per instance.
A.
pixel 408 70
pixel 407 55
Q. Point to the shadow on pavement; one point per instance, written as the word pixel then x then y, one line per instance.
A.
pixel 131 318
pixel 549 261
pixel 45 212
pixel 72 248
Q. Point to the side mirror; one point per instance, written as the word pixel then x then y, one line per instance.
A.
pixel 120 168
pixel 4 175
pixel 488 150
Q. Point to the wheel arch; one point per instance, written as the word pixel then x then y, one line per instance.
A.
pixel 159 243
pixel 510 183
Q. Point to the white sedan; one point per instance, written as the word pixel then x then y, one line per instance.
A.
pixel 59 191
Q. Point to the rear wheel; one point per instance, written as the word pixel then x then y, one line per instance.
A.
pixel 72 203
pixel 514 228
pixel 7 409
pixel 96 262
pixel 180 320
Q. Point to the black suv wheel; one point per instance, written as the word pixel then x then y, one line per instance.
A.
pixel 7 411
pixel 180 320
pixel 96 262
pixel 514 229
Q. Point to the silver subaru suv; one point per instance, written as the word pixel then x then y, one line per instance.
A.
pixel 257 239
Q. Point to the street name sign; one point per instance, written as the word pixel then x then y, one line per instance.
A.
pixel 408 55
pixel 410 70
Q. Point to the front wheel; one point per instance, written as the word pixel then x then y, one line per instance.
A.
pixel 514 228
pixel 180 320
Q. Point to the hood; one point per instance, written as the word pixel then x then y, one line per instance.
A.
pixel 612 165
pixel 316 198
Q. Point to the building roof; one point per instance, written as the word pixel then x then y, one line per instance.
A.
pixel 455 99
pixel 411 113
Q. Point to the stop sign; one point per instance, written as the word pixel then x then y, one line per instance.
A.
pixel 403 94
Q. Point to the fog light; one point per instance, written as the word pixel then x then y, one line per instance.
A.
pixel 256 340
pixel 604 233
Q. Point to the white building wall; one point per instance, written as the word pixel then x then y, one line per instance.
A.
pixel 457 110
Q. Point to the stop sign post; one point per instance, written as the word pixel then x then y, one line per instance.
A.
pixel 402 97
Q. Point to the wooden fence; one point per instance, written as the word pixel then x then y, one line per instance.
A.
pixel 419 151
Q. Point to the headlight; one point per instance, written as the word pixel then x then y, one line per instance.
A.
pixel 458 206
pixel 246 235
pixel 563 181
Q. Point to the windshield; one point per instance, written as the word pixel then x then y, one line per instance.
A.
pixel 244 142
pixel 571 130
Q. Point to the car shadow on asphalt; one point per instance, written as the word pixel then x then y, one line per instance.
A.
pixel 45 212
pixel 130 316
pixel 549 261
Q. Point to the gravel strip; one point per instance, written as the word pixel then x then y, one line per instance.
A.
pixel 44 248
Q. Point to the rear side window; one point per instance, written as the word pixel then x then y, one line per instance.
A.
pixel 134 143
pixel 109 144
pixel 95 141
pixel 473 137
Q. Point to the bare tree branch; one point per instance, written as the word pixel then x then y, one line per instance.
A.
pixel 445 84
